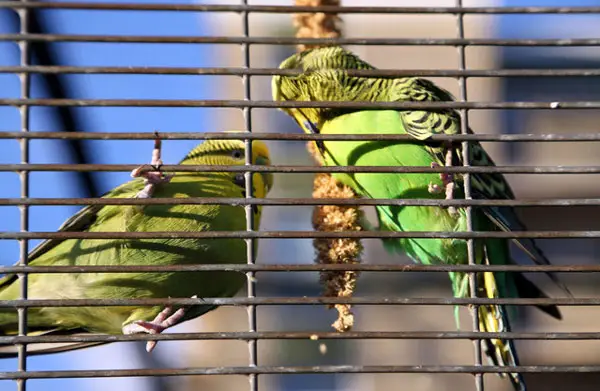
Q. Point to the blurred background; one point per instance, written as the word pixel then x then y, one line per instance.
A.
pixel 310 318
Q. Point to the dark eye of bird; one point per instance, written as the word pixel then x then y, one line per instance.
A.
pixel 237 154
pixel 240 180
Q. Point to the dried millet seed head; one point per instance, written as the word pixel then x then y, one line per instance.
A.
pixel 330 218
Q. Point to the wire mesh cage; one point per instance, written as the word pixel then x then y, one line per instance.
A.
pixel 84 86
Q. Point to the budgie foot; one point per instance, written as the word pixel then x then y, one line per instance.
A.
pixel 154 175
pixel 448 182
pixel 165 319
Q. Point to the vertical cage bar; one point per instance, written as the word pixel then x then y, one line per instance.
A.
pixel 250 244
pixel 464 126
pixel 24 79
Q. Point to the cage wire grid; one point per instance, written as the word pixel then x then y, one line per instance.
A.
pixel 250 235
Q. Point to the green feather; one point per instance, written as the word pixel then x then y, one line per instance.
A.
pixel 149 218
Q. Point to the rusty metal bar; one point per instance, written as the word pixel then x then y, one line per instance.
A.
pixel 264 301
pixel 24 112
pixel 249 193
pixel 240 8
pixel 302 235
pixel 404 268
pixel 566 42
pixel 232 71
pixel 464 129
pixel 309 169
pixel 297 201
pixel 319 369
pixel 293 335
pixel 525 137
pixel 232 103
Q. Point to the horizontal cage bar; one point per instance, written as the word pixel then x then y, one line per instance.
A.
pixel 550 137
pixel 298 201
pixel 245 8
pixel 225 71
pixel 24 167
pixel 301 268
pixel 322 369
pixel 265 104
pixel 294 335
pixel 242 40
pixel 301 235
pixel 270 301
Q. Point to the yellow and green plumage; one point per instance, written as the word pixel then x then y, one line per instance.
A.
pixel 147 218
pixel 324 77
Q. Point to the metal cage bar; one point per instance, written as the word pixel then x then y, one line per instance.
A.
pixel 308 41
pixel 305 268
pixel 531 137
pixel 286 9
pixel 291 335
pixel 303 235
pixel 232 103
pixel 466 159
pixel 321 369
pixel 26 167
pixel 233 71
pixel 24 79
pixel 31 303
pixel 297 201
pixel 248 176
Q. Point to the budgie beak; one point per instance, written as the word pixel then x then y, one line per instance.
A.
pixel 311 127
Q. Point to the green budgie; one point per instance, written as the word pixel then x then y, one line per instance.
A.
pixel 138 218
pixel 324 77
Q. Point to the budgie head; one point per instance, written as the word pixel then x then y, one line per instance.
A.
pixel 232 152
pixel 322 79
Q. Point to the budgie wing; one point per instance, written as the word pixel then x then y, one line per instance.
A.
pixel 424 124
pixel 87 216
pixel 79 222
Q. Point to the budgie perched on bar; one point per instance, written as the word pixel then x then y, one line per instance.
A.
pixel 172 251
pixel 324 77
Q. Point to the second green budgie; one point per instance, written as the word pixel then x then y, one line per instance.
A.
pixel 146 218
pixel 324 77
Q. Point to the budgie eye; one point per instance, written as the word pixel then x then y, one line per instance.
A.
pixel 239 180
pixel 237 154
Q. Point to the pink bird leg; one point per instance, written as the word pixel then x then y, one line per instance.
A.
pixel 165 319
pixel 151 173
pixel 447 180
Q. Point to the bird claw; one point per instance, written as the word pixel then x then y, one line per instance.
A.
pixel 165 319
pixel 447 181
pixel 434 188
pixel 151 172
